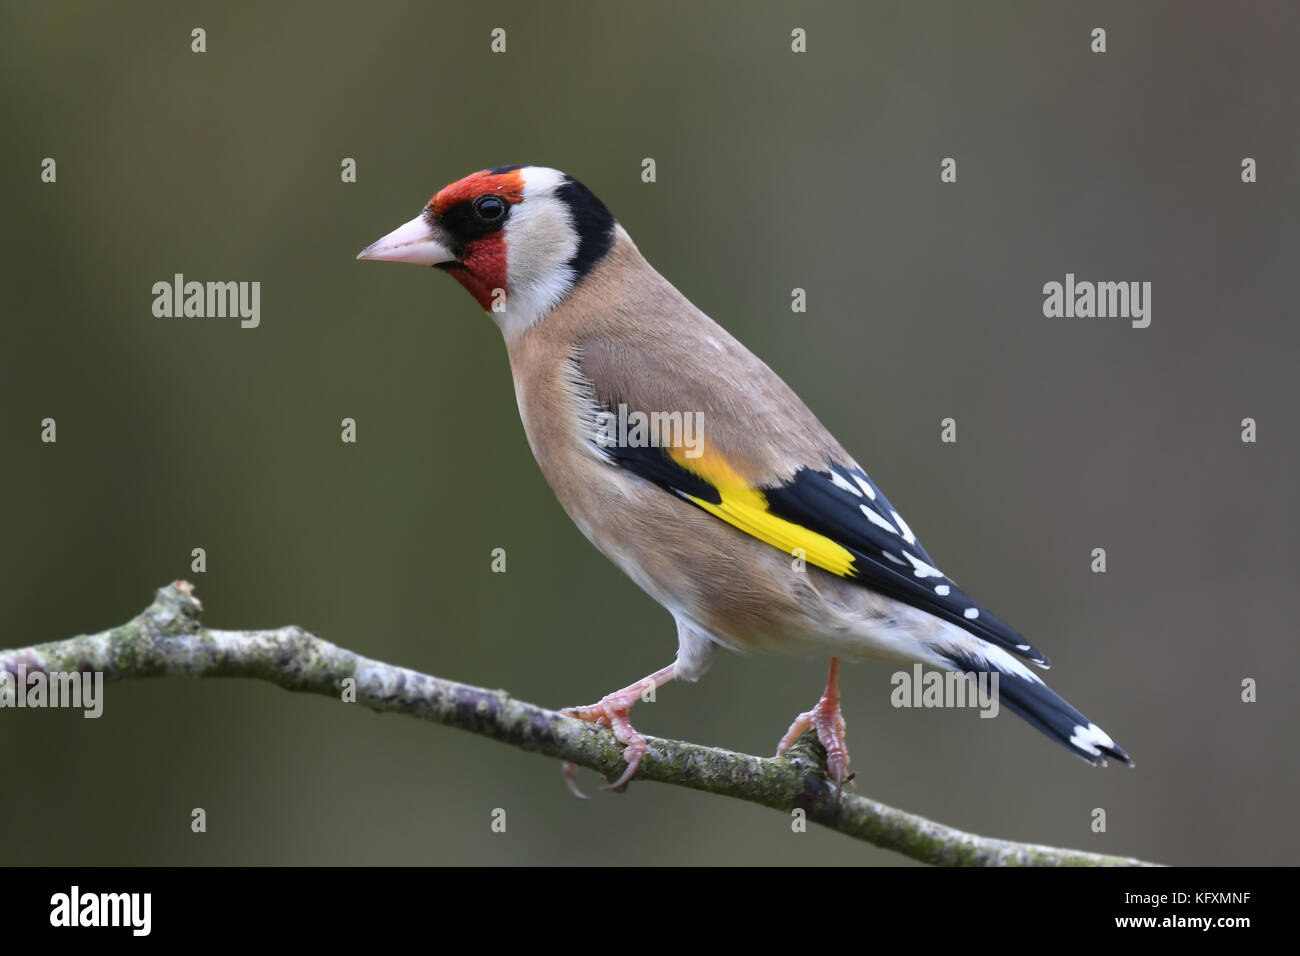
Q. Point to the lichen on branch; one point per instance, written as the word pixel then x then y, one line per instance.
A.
pixel 168 639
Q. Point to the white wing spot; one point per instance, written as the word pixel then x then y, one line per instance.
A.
pixel 877 520
pixel 942 590
pixel 840 482
pixel 907 532
pixel 1089 738
pixel 923 570
pixel 894 558
pixel 971 613
pixel 866 488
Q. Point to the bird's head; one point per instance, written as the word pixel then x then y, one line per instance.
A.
pixel 519 238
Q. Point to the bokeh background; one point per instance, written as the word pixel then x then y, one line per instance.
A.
pixel 775 170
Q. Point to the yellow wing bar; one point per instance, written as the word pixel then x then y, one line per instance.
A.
pixel 746 508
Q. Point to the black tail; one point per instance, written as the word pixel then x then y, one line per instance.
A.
pixel 1043 708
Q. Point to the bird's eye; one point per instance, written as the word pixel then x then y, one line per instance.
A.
pixel 490 208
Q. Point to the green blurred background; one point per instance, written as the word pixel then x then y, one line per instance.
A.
pixel 775 170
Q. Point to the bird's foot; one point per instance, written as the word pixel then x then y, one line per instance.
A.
pixel 612 711
pixel 828 720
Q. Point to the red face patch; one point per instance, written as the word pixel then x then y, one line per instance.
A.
pixel 509 186
pixel 481 268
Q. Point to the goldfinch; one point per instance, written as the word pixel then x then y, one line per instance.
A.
pixel 694 468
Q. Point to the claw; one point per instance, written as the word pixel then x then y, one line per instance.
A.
pixel 570 771
pixel 827 719
pixel 633 748
pixel 612 711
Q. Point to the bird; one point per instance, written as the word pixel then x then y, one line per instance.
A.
pixel 697 471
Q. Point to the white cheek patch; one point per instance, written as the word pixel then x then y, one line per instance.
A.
pixel 537 272
pixel 540 242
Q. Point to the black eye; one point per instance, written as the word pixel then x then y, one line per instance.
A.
pixel 490 208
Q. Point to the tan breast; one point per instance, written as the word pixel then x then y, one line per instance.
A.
pixel 634 338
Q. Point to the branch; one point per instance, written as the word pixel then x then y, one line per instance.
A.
pixel 169 639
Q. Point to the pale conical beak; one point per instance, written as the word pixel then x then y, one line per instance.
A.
pixel 416 242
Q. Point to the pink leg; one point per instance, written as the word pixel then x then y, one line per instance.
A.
pixel 611 711
pixel 829 722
